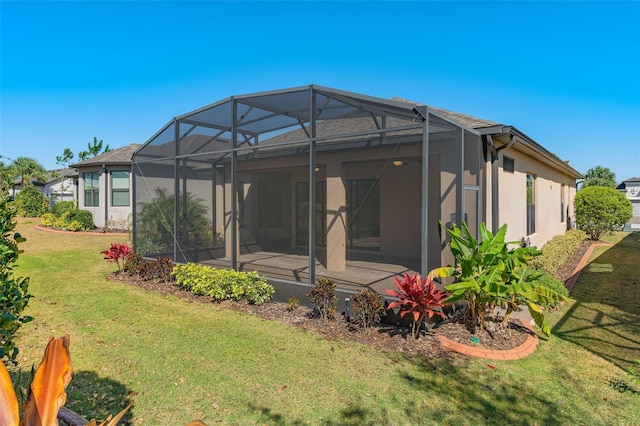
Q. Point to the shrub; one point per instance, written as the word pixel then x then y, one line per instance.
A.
pixel 30 202
pixel 418 297
pixel 62 206
pixel 600 210
pixel 368 308
pixel 490 274
pixel 323 296
pixel 117 253
pixel 292 303
pixel 222 284
pixel 557 250
pixel 14 291
pixel 68 219
pixel 149 270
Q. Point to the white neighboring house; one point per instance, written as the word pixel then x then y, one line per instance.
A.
pixel 631 188
pixel 61 185
pixel 104 187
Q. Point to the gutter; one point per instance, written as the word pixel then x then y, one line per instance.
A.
pixel 495 189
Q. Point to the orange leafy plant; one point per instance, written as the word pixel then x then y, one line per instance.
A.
pixel 47 392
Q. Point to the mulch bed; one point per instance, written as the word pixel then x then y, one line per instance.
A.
pixel 389 338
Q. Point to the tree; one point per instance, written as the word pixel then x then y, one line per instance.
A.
pixel 64 160
pixel 93 149
pixel 599 176
pixel 28 169
pixel 600 210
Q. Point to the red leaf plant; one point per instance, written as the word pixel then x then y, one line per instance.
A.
pixel 116 253
pixel 419 297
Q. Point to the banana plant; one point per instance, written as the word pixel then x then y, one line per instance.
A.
pixel 489 274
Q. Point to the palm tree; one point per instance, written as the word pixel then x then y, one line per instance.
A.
pixel 28 169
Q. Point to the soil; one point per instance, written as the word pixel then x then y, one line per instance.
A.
pixel 388 338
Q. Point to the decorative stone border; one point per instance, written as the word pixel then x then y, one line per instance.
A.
pixel 521 351
pixel 571 281
pixel 59 231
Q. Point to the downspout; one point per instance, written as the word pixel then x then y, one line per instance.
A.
pixel 495 187
pixel 106 194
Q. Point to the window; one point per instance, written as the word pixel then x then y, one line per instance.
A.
pixel 508 165
pixel 562 189
pixel 119 189
pixel 91 189
pixel 531 204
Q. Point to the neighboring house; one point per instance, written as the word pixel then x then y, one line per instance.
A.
pixel 61 185
pixel 631 188
pixel 16 186
pixel 231 185
pixel 104 187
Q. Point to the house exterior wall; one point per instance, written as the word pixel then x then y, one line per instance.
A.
pixel 553 199
pixel 61 190
pixel 632 192
pixel 105 214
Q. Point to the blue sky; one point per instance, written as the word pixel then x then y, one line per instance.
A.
pixel 565 73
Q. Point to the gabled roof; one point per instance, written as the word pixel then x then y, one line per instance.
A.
pixel 53 175
pixel 119 156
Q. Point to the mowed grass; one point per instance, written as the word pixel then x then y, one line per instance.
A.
pixel 605 319
pixel 177 361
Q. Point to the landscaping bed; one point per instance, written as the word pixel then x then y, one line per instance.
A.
pixel 384 337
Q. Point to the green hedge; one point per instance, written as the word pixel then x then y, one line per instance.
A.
pixel 222 284
pixel 69 220
pixel 557 250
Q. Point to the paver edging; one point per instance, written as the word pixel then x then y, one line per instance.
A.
pixel 60 231
pixel 571 281
pixel 526 348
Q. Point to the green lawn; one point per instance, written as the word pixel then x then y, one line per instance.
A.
pixel 177 361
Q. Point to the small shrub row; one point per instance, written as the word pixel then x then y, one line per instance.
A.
pixel 557 250
pixel 69 220
pixel 222 284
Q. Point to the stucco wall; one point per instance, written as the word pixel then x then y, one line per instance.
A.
pixel 105 214
pixel 549 219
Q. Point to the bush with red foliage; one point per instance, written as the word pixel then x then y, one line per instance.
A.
pixel 419 297
pixel 117 253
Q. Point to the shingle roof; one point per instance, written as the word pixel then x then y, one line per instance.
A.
pixel 466 120
pixel 115 156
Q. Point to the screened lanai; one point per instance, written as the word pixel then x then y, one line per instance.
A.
pixel 308 182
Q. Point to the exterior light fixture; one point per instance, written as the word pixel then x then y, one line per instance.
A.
pixel 399 163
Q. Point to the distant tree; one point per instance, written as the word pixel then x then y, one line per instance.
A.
pixel 600 210
pixel 28 169
pixel 93 149
pixel 599 176
pixel 63 160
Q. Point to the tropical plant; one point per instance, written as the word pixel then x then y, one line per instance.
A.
pixel 323 296
pixel 30 202
pixel 14 291
pixel 599 176
pixel 117 253
pixel 368 308
pixel 491 275
pixel 28 169
pixel 156 225
pixel 419 298
pixel 600 210
pixel 47 392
